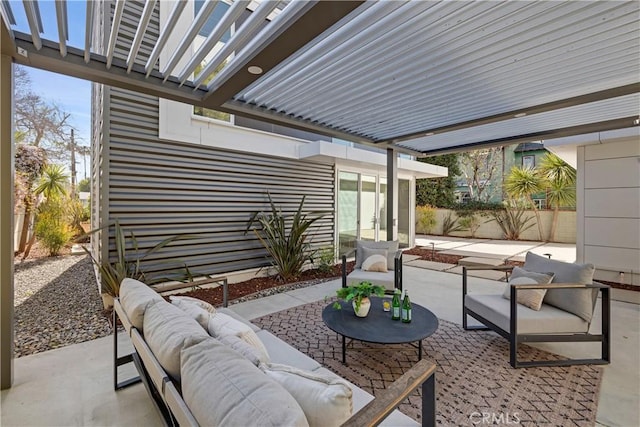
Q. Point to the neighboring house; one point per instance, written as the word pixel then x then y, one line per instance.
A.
pixel 527 154
pixel 161 169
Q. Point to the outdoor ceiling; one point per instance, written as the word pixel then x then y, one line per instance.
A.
pixel 423 76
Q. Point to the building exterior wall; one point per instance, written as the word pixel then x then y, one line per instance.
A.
pixel 608 194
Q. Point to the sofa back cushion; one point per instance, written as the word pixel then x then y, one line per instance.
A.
pixel 222 389
pixel 135 297
pixel 577 301
pixel 326 400
pixel 390 247
pixel 167 329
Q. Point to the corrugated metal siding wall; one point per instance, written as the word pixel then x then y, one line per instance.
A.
pixel 158 189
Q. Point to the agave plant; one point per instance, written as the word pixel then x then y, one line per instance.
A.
pixel 285 237
pixel 129 264
pixel 512 221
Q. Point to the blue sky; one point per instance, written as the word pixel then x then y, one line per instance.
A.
pixel 71 94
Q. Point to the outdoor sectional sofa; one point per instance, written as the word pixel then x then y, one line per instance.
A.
pixel 196 379
pixel 545 301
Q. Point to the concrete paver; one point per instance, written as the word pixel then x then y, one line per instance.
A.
pixel 430 265
pixel 486 274
pixel 478 261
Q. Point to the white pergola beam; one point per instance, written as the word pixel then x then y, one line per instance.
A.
pixel 189 36
pixel 247 30
pixel 33 18
pixel 115 27
pixel 63 29
pixel 140 32
pixel 164 36
pixel 223 25
pixel 88 32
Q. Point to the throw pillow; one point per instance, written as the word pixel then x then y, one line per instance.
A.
pixel 390 247
pixel 222 389
pixel 326 400
pixel 531 298
pixel 248 351
pixel 221 324
pixel 203 304
pixel 167 330
pixel 377 262
pixel 577 301
pixel 135 298
pixel 195 311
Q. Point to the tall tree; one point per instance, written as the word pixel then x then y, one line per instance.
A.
pixel 523 183
pixel 438 192
pixel 479 167
pixel 30 161
pixel 560 180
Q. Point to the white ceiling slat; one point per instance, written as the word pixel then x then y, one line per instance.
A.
pixel 471 57
pixel 189 36
pixel 7 17
pixel 247 30
pixel 88 32
pixel 232 14
pixel 35 22
pixel 302 61
pixel 115 27
pixel 165 33
pixel 63 28
pixel 282 19
pixel 140 32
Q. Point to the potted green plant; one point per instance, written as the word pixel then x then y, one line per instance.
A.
pixel 359 295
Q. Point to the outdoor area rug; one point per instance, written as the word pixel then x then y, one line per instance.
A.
pixel 474 378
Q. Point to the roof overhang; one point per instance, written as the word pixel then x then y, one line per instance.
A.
pixel 423 77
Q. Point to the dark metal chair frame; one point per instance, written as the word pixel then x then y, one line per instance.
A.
pixel 397 269
pixel 515 338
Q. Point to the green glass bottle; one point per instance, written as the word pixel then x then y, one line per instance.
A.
pixel 406 308
pixel 395 305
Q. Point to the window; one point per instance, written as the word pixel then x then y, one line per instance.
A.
pixel 529 162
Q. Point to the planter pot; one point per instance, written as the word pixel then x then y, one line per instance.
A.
pixel 107 301
pixel 365 305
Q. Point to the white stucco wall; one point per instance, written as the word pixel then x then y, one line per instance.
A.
pixel 608 194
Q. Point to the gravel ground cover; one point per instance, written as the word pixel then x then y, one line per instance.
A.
pixel 56 304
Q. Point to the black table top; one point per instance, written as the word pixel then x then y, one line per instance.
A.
pixel 378 327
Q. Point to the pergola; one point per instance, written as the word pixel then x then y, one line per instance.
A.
pixel 422 77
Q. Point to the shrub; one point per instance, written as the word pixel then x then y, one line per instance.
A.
pixel 425 219
pixel 285 237
pixel 52 227
pixel 326 259
pixel 470 222
pixel 512 221
pixel 450 225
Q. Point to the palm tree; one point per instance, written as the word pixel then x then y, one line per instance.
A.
pixel 53 182
pixel 561 186
pixel 523 182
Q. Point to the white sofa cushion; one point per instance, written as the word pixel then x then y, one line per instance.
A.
pixel 281 352
pixel 222 324
pixel 325 399
pixel 236 316
pixel 248 351
pixel 135 297
pixel 167 329
pixel 221 389
pixel 390 247
pixel 531 298
pixel 202 304
pixel 577 301
pixel 382 279
pixel 548 320
pixel 195 311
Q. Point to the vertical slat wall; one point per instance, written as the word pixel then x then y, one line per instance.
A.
pixel 158 189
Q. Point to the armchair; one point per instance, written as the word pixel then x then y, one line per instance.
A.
pixel 391 279
pixel 565 313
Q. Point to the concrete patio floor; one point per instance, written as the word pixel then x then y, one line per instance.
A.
pixel 73 385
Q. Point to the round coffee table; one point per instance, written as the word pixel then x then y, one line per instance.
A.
pixel 378 327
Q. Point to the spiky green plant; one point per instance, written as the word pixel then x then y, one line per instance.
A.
pixel 512 221
pixel 450 225
pixel 285 237
pixel 53 182
pixel 561 186
pixel 523 183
